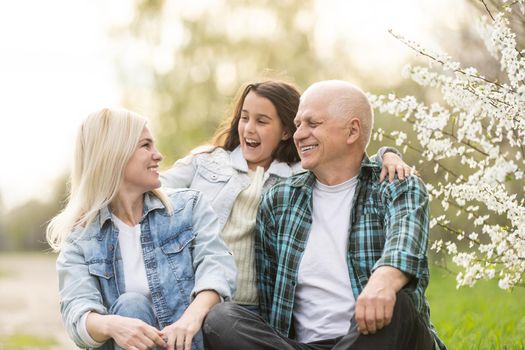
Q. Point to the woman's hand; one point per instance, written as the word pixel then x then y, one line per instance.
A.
pixel 180 334
pixel 132 333
pixel 393 164
pixel 128 333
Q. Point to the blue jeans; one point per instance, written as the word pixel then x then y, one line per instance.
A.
pixel 134 305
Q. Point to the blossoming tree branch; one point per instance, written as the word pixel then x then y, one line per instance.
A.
pixel 475 141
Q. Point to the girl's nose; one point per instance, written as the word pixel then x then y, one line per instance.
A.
pixel 250 126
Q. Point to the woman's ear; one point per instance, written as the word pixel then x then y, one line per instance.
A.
pixel 286 136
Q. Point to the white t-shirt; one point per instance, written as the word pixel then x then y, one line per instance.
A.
pixel 135 278
pixel 324 302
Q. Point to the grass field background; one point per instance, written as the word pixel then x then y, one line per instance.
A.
pixel 483 317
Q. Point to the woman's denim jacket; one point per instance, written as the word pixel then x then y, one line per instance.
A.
pixel 183 255
pixel 221 175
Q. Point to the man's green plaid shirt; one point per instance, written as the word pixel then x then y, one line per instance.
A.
pixel 389 226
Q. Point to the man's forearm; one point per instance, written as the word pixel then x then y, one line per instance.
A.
pixel 389 276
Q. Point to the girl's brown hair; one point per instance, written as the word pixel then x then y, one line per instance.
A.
pixel 285 98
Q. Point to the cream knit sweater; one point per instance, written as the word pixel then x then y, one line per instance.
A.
pixel 238 233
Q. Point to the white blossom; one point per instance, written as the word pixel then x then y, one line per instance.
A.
pixel 480 124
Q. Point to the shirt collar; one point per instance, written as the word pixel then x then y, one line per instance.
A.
pixel 367 168
pixel 277 168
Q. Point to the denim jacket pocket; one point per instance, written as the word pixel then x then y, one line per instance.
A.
pixel 213 176
pixel 101 269
pixel 103 272
pixel 179 253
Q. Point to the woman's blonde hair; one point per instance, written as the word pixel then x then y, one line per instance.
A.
pixel 105 142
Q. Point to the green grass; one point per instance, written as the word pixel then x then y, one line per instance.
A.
pixel 483 317
pixel 21 341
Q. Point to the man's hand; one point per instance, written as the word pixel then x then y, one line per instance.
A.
pixel 375 305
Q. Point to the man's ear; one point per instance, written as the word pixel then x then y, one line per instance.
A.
pixel 354 130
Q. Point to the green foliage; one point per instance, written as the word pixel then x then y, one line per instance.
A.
pixel 22 341
pixel 222 47
pixel 25 225
pixel 484 317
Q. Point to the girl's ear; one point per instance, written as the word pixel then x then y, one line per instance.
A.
pixel 286 136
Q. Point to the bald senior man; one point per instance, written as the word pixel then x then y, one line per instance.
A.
pixel 341 256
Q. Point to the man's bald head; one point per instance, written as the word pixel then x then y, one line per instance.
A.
pixel 344 100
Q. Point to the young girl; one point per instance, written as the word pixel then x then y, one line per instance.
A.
pixel 138 267
pixel 251 152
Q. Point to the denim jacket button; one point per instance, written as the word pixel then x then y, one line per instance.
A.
pixel 106 274
pixel 214 177
pixel 111 247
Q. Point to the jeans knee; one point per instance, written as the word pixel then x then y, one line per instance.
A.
pixel 220 317
pixel 134 305
pixel 219 314
pixel 131 300
pixel 404 301
pixel 405 309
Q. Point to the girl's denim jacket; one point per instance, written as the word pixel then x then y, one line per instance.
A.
pixel 221 175
pixel 183 255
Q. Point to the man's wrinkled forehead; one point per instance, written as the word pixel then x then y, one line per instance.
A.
pixel 312 105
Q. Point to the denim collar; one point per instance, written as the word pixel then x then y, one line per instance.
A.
pixel 151 202
pixel 276 168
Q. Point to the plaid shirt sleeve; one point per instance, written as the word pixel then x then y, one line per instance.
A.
pixel 265 255
pixel 405 226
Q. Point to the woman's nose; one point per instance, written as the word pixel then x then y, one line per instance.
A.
pixel 157 155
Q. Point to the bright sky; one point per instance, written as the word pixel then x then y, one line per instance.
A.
pixel 57 65
pixel 55 68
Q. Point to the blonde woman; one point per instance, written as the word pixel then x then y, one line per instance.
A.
pixel 138 268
